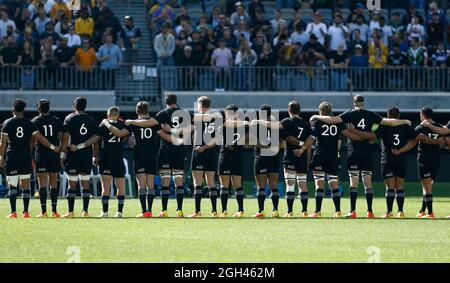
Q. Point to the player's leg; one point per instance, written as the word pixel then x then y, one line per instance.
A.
pixel 54 192
pixel 390 196
pixel 225 181
pixel 198 178
pixel 353 176
pixel 150 193
pixel 26 193
pixel 120 185
pixel 427 185
pixel 368 187
pixel 13 184
pixel 274 193
pixel 85 192
pixel 319 182
pixel 261 181
pixel 210 182
pixel 165 177
pixel 290 179
pixel 236 180
pixel 42 179
pixel 142 192
pixel 333 182
pixel 106 181
pixel 302 183
pixel 71 194
pixel 400 195
pixel 178 179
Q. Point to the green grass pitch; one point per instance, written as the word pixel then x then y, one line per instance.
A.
pixel 226 240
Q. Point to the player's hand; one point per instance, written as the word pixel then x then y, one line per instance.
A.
pixel 199 149
pixel 395 151
pixel 57 149
pixel 229 147
pixel 351 126
pixel 313 118
pixel 96 161
pixel 103 122
pixel 73 147
pixel 62 162
pixel 254 123
pixel 441 141
pixel 298 152
pixel 166 128
pixel 425 123
pixel 408 122
pixel 2 163
pixel 128 122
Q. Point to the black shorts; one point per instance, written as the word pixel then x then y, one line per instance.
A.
pixel 266 165
pixel 360 161
pixel 394 167
pixel 205 161
pixel 172 157
pixel 428 168
pixel 326 164
pixel 295 163
pixel 231 163
pixel 112 166
pixel 18 164
pixel 47 162
pixel 79 162
pixel 145 163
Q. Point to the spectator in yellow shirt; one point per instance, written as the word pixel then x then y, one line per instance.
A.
pixel 376 42
pixel 84 25
pixel 377 62
pixel 60 7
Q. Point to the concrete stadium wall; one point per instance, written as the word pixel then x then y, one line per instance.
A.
pixel 60 100
pixel 341 101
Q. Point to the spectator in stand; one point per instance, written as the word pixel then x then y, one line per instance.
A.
pixel 299 35
pixel 209 40
pixel 230 40
pixel 266 59
pixel 130 40
pixel 160 13
pixel 296 20
pixel 222 60
pixel 34 6
pixel 397 61
pixel 164 46
pixel 254 6
pixel 188 74
pixel 412 12
pixel 59 8
pixel 258 44
pixel 214 20
pixel 397 23
pixel 359 61
pixel 48 64
pixel 106 21
pixel 11 33
pixel 62 26
pixel 435 32
pixel 180 42
pixel 417 55
pixel 4 23
pixel 28 62
pixel 419 4
pixel 355 42
pixel 73 39
pixel 374 23
pixel 242 30
pixel 434 9
pixel 284 3
pixel 246 59
pixel 361 26
pixel 41 21
pixel 65 59
pixel 49 33
pixel 28 35
pixel 314 53
pixel 377 62
pixel 110 58
pixel 10 58
pixel 239 16
pixel 338 33
pixel 199 51
pixel 182 16
pixel 397 39
pixel 339 61
pixel 385 31
pixel 415 29
pixel 318 28
pixel 13 8
pixel 277 21
pixel 22 19
pixel 357 12
pixel 376 43
pixel 222 24
pixel 260 21
pixel 440 56
pixel 84 25
pixel 85 60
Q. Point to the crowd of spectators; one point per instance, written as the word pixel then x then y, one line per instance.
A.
pixel 238 35
pixel 53 44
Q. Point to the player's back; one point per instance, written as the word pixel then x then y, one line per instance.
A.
pixel 327 137
pixel 49 126
pixel 175 118
pixel 204 132
pixel 80 126
pixel 394 137
pixel 19 131
pixel 111 144
pixel 146 139
pixel 233 138
pixel 362 120
pixel 295 127
pixel 428 150
pixel 264 138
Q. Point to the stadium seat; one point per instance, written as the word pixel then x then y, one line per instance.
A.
pixel 269 6
pixel 306 15
pixel 287 14
pixel 128 179
pixel 402 12
pixel 327 15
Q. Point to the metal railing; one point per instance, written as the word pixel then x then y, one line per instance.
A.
pixel 304 79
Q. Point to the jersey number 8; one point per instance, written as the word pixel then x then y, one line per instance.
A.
pixel 19 132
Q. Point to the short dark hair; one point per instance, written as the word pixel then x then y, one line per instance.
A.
pixel 393 112
pixel 19 105
pixel 427 112
pixel 43 106
pixel 80 103
pixel 170 98
pixel 142 108
pixel 267 109
pixel 232 107
pixel 294 107
pixel 204 101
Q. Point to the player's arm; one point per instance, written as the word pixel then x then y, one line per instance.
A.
pixel 358 135
pixel 306 146
pixel 64 143
pixel 169 138
pixel 425 139
pixel 407 147
pixel 143 123
pixel 118 133
pixel 200 117
pixel 42 140
pixel 440 131
pixel 95 152
pixel 394 122
pixel 235 123
pixel 327 119
pixel 3 144
pixel 268 124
